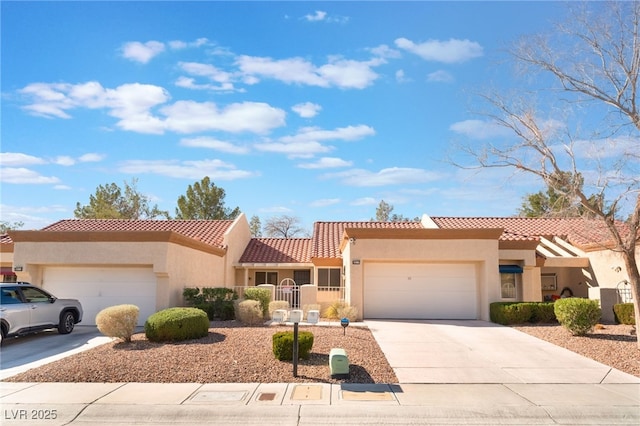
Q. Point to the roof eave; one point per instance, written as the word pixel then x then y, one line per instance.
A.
pixel 115 236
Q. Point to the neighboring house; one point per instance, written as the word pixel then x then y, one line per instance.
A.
pixel 143 262
pixel 439 268
pixel 6 259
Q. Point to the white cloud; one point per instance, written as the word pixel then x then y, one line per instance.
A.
pixel 132 104
pixel 191 117
pixel 91 157
pixel 212 143
pixel 440 76
pixel 337 72
pixel 223 79
pixel 215 169
pixel 326 163
pixel 21 175
pixel 19 159
pixel 400 77
pixel 325 202
pixel 389 176
pixel 384 51
pixel 179 44
pixel 294 149
pixel 478 129
pixel 306 109
pixel 129 102
pixel 349 133
pixel 322 16
pixel 450 52
pixel 319 15
pixel 64 160
pixel 142 52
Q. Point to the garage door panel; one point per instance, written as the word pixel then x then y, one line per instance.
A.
pixel 99 288
pixel 420 291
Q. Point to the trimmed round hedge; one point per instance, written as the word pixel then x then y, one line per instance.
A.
pixel 577 315
pixel 175 324
pixel 283 345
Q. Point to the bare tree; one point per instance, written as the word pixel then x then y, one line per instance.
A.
pixel 592 62
pixel 283 227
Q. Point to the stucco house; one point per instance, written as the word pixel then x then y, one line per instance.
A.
pixel 438 268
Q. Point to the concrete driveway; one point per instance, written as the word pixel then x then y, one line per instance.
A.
pixel 482 352
pixel 25 352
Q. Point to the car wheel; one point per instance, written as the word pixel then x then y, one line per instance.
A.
pixel 67 322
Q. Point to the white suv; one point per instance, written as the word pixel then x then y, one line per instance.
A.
pixel 25 308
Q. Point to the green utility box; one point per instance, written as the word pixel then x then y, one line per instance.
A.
pixel 339 363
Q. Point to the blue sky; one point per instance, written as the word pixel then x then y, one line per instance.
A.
pixel 318 110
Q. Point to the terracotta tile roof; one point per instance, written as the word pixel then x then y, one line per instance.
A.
pixel 277 250
pixel 207 231
pixel 327 236
pixel 578 231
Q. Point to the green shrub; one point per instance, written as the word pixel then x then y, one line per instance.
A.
pixel 118 321
pixel 577 315
pixel 217 302
pixel 624 313
pixel 542 312
pixel 175 324
pixel 192 296
pixel 276 305
pixel 262 295
pixel 249 312
pixel 506 313
pixel 283 345
pixel 340 309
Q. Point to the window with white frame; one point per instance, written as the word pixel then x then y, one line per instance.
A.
pixel 508 286
pixel 329 278
pixel 266 277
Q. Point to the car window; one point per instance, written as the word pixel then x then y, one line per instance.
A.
pixel 9 296
pixel 34 295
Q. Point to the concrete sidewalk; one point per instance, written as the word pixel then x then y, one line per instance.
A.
pixel 318 404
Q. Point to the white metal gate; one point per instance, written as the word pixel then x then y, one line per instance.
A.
pixel 288 291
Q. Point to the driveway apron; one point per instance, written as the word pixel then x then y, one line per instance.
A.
pixel 469 351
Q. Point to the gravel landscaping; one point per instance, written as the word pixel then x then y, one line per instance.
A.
pixel 233 353
pixel 612 345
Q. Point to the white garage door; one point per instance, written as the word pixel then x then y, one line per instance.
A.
pixel 99 288
pixel 420 291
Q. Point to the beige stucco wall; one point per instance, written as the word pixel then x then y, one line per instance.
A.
pixel 175 266
pixel 236 240
pixel 483 253
pixel 608 268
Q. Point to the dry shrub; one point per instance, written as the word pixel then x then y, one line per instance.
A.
pixel 118 321
pixel 339 310
pixel 250 312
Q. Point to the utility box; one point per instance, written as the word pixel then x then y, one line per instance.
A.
pixel 295 316
pixel 279 315
pixel 313 316
pixel 339 363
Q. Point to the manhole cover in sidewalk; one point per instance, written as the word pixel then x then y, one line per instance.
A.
pixel 307 392
pixel 207 396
